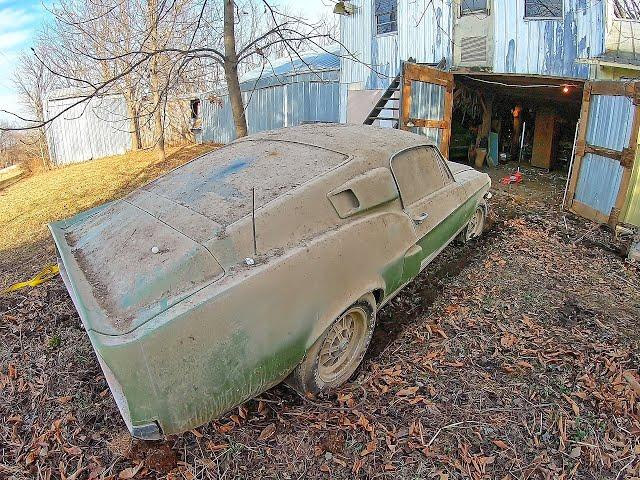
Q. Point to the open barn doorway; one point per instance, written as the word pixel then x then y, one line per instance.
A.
pixel 587 131
pixel 528 120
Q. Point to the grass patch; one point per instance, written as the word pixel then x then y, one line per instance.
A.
pixel 29 205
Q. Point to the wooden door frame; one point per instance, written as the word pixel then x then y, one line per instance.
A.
pixel 626 157
pixel 426 74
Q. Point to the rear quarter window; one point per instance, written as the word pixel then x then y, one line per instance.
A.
pixel 419 172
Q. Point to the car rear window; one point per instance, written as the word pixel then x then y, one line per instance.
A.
pixel 219 184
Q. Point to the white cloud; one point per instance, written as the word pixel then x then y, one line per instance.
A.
pixel 11 40
pixel 14 18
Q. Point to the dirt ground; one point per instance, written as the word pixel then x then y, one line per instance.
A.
pixel 513 357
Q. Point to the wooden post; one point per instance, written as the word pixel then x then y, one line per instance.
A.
pixel 544 138
pixel 627 161
pixel 580 146
pixel 487 113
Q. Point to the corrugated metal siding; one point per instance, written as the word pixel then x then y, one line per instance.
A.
pixel 547 47
pixel 359 41
pixel 427 101
pixel 598 182
pixel 270 81
pixel 325 59
pixel 217 120
pixel 272 107
pixel 94 129
pixel 266 110
pixel 433 134
pixel 320 104
pixel 609 126
pixel 284 93
pixel 526 46
pixel 610 121
pixel 425 30
pixel 424 33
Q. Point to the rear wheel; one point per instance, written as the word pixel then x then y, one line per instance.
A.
pixel 338 352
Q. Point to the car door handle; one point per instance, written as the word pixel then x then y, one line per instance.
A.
pixel 421 218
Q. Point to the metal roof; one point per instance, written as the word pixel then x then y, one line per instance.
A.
pixel 325 58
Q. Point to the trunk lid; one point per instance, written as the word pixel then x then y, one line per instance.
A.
pixel 129 260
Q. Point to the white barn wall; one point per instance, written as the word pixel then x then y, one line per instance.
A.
pixel 93 129
pixel 548 47
pixel 425 32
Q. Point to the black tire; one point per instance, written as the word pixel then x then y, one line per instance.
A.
pixel 311 376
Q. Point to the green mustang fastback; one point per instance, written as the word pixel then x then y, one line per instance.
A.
pixel 263 261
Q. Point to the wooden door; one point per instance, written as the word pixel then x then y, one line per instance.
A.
pixel 427 103
pixel 605 150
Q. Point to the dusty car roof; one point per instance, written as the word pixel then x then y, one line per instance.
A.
pixel 219 185
pixel 360 141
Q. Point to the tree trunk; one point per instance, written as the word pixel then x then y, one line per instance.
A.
pixel 42 139
pixel 155 81
pixel 231 70
pixel 134 123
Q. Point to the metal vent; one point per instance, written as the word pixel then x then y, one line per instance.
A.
pixel 473 50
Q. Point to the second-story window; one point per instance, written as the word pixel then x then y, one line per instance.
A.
pixel 386 16
pixel 542 9
pixel 468 7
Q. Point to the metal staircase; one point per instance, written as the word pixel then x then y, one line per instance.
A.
pixel 389 102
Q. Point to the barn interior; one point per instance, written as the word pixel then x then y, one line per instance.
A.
pixel 514 118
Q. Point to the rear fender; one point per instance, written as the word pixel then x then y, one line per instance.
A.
pixel 390 250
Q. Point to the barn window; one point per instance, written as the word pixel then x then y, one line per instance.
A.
pixel 468 7
pixel 626 9
pixel 194 107
pixel 542 9
pixel 386 16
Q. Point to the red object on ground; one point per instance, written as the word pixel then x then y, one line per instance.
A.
pixel 515 177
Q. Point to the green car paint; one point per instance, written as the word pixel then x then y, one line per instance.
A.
pixel 400 272
pixel 221 375
pixel 213 378
pixel 174 362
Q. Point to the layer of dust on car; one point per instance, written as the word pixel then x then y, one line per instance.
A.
pixel 220 185
pixel 114 249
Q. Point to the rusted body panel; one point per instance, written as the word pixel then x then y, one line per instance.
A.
pixel 205 331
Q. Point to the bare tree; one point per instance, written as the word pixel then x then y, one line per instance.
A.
pixel 171 47
pixel 31 80
pixel 231 69
pixel 8 141
pixel 154 76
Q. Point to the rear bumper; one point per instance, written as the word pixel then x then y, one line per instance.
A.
pixel 144 431
pixel 142 428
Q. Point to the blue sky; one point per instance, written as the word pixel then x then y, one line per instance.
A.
pixel 21 19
